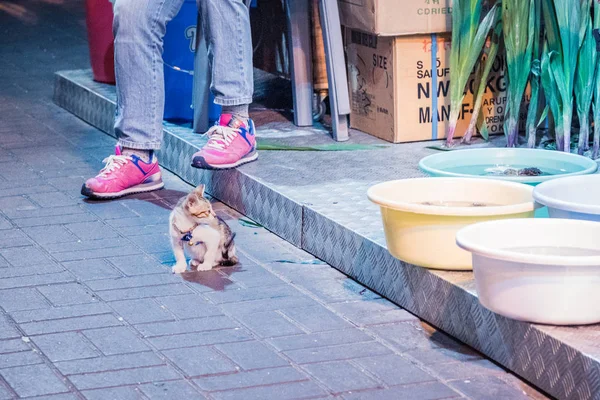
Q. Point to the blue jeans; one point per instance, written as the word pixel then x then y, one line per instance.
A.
pixel 139 27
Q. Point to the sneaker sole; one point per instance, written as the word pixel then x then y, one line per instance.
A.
pixel 142 188
pixel 199 162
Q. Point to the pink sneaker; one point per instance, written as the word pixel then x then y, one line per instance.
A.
pixel 123 175
pixel 231 143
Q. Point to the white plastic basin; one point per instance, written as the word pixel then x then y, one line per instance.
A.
pixel 538 270
pixel 576 197
pixel 425 234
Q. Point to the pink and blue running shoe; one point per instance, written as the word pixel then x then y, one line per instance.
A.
pixel 123 175
pixel 231 143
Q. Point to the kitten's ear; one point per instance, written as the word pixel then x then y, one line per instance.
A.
pixel 199 190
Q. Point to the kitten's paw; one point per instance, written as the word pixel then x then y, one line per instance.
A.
pixel 179 268
pixel 204 267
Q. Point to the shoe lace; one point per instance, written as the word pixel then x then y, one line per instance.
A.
pixel 113 163
pixel 220 137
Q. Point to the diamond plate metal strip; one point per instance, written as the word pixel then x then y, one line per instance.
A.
pixel 523 348
pixel 95 104
pixel 331 219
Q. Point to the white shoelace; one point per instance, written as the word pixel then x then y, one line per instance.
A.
pixel 112 163
pixel 221 137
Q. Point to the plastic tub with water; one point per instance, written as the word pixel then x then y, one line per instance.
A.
pixel 421 216
pixel 576 197
pixel 542 270
pixel 529 166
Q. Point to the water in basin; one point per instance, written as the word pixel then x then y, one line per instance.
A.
pixel 495 169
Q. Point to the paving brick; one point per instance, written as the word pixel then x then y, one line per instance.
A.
pixel 425 391
pixel 153 243
pixel 54 220
pixel 197 361
pixel 61 312
pixel 70 324
pixel 124 377
pixel 444 355
pixel 13 345
pixel 87 270
pixel 80 245
pixel 14 238
pixel 133 282
pixel 252 355
pixel 91 230
pixel 394 370
pixel 97 253
pixel 344 289
pixel 333 353
pixel 488 387
pixel 64 346
pixel 138 265
pixel 110 210
pixel 145 292
pixel 142 311
pixel 28 357
pixel 269 324
pixel 102 364
pixel 466 370
pixel 52 199
pixel 320 339
pixel 68 294
pixel 22 299
pixel 372 312
pixel 25 256
pixel 117 393
pixel 405 336
pixel 47 212
pixel 341 376
pixel 7 330
pixel 31 270
pixel 171 390
pixel 317 318
pixel 280 303
pixel 5 394
pixel 33 380
pixel 285 391
pixel 117 340
pixel 5 224
pixel 35 280
pixel 200 338
pixel 245 379
pixel 252 275
pixel 186 326
pixel 49 234
pixel 63 396
pixel 239 295
pixel 12 206
pixel 189 306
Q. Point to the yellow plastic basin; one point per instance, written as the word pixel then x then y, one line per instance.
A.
pixel 421 216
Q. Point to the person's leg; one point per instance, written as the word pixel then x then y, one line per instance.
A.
pixel 227 29
pixel 139 27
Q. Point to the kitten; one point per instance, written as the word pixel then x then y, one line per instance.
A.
pixel 193 224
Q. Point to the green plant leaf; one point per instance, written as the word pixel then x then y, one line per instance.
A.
pixel 248 223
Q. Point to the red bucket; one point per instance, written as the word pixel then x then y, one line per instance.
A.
pixel 99 21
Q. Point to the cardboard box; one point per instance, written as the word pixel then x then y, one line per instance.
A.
pixel 395 95
pixel 397 17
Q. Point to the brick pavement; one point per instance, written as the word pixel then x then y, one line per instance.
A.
pixel 89 309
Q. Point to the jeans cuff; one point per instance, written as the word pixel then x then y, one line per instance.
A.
pixel 233 102
pixel 139 146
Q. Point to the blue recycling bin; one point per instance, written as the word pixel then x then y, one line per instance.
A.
pixel 178 56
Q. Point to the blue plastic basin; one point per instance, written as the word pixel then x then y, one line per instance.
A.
pixel 474 162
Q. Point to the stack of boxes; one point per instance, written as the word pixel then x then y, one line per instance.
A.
pixel 399 71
